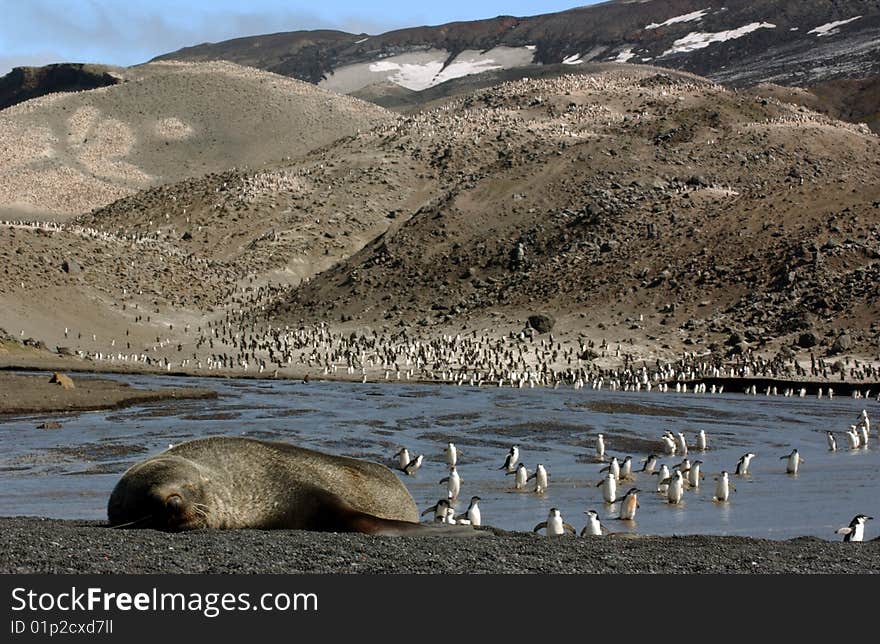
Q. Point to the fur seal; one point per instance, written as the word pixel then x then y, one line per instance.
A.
pixel 234 483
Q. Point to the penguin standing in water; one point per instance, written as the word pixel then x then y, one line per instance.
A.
pixel 742 465
pixel 613 468
pixel 625 473
pixel 681 444
pixel 629 504
pixel 600 447
pixel 403 458
pixel 663 477
pixel 855 531
pixel 451 455
pixel 554 525
pixel 540 476
pixel 594 527
pixel 668 441
pixel 511 460
pixel 694 475
pixel 649 464
pixel 675 491
pixel 609 488
pixel 794 462
pixel 521 476
pixel 832 442
pixel 702 441
pixel 413 466
pixel 723 487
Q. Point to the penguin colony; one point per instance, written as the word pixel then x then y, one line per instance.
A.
pixel 672 482
pixel 236 339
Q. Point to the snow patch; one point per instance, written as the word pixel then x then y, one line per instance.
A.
pixel 625 55
pixel 531 47
pixel 699 40
pixel 831 28
pixel 358 42
pixel 572 60
pixel 688 17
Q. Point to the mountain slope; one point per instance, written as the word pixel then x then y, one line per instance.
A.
pixel 656 206
pixel 67 153
pixel 740 42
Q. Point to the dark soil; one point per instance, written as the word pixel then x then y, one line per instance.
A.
pixel 32 545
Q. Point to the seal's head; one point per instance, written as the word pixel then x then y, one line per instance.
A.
pixel 165 493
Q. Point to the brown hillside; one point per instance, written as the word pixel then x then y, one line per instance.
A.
pixel 660 207
pixel 68 153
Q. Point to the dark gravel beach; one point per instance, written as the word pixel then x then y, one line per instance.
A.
pixel 32 545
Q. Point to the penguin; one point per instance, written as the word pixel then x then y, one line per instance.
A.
pixel 863 436
pixel 540 476
pixel 600 447
pixel 742 465
pixel 511 460
pixel 403 458
pixel 723 487
pixel 451 455
pixel 675 491
pixel 413 466
pixel 609 488
pixel 663 474
pixel 853 437
pixel 694 475
pixel 681 444
pixel 649 464
pixel 453 483
pixel 613 468
pixel 668 441
pixel 625 473
pixel 554 524
pixel 855 531
pixel 702 441
pixel 864 420
pixel 521 476
pixel 472 515
pixel 439 509
pixel 794 461
pixel 832 442
pixel 594 527
pixel 629 504
pixel 684 466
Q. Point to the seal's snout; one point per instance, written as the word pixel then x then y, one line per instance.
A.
pixel 174 504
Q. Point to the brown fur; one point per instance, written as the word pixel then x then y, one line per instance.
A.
pixel 227 482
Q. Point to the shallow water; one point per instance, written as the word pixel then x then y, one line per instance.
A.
pixel 69 473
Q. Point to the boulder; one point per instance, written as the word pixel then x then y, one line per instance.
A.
pixel 71 267
pixel 807 340
pixel 542 323
pixel 61 379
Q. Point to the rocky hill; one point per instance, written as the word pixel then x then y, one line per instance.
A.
pixel 631 203
pixel 25 83
pixel 738 42
pixel 634 203
pixel 67 153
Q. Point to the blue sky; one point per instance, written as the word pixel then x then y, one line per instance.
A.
pixel 123 32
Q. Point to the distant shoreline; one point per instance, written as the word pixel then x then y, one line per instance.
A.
pixel 32 394
pixel 731 385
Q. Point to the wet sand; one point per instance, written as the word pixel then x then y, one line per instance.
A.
pixel 34 545
pixel 27 394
